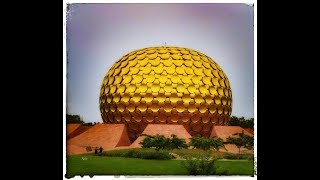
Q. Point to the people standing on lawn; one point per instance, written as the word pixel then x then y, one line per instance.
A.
pixel 101 149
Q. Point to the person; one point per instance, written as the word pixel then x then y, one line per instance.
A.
pixel 101 149
pixel 96 150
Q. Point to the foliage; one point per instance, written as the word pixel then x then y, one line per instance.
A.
pixel 177 143
pixel 202 165
pixel 89 124
pixel 242 122
pixel 160 155
pixel 113 153
pixel 156 155
pixel 184 153
pixel 160 142
pixel 74 119
pixel 235 156
pixel 241 140
pixel 206 143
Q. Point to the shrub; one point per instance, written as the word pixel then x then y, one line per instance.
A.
pixel 112 153
pixel 156 155
pixel 202 165
pixel 132 154
pixel 235 156
pixel 191 166
pixel 230 156
pixel 160 155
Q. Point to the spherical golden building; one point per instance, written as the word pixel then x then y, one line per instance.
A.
pixel 166 85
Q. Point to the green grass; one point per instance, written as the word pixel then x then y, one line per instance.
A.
pixel 138 149
pixel 99 165
pixel 194 152
pixel 190 152
pixel 180 152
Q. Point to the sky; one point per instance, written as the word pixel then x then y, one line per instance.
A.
pixel 100 34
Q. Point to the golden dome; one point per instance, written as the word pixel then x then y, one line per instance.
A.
pixel 168 85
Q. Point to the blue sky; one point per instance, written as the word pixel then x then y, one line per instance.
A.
pixel 99 34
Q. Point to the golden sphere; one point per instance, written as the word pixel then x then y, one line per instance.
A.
pixel 166 85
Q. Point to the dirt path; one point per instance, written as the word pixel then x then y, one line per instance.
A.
pixel 177 157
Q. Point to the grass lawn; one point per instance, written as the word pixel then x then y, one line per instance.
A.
pixel 190 152
pixel 194 152
pixel 101 165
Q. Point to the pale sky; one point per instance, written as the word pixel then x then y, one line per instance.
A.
pixel 99 34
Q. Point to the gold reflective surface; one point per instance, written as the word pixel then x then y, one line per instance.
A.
pixel 167 85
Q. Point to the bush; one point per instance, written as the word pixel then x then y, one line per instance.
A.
pixel 203 165
pixel 112 154
pixel 160 155
pixel 191 166
pixel 156 155
pixel 230 156
pixel 132 154
pixel 236 156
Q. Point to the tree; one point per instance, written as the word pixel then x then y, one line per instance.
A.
pixel 160 142
pixel 248 123
pixel 88 124
pixel 234 121
pixel 177 143
pixel 241 140
pixel 206 143
pixel 242 122
pixel 70 119
pixel 217 143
